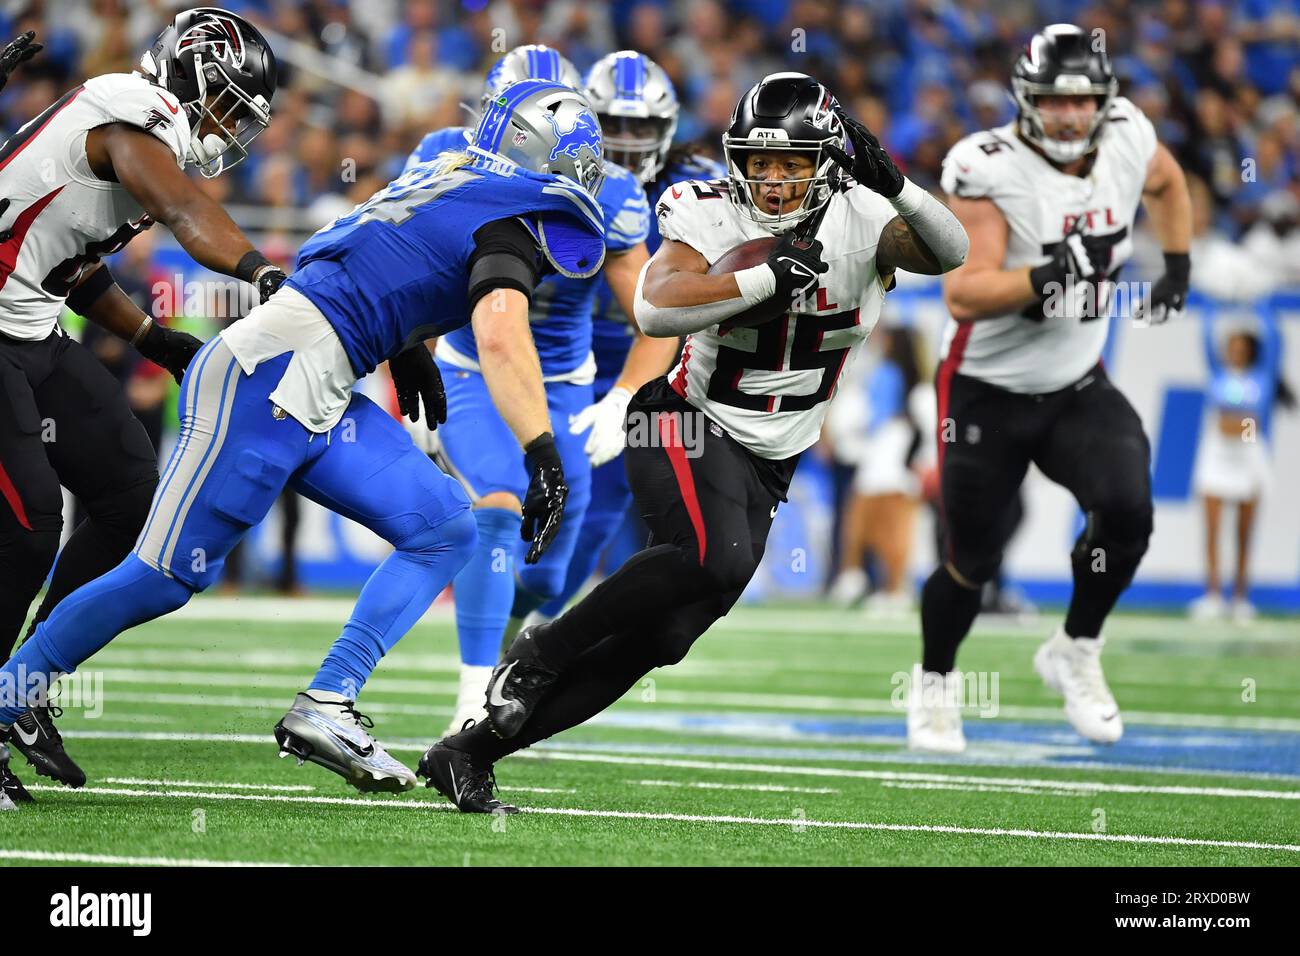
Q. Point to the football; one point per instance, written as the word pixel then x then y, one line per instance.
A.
pixel 750 253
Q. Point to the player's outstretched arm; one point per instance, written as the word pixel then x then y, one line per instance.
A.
pixel 98 298
pixel 147 169
pixel 647 358
pixel 1169 204
pixel 980 288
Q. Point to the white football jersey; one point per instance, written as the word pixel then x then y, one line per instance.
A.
pixel 61 218
pixel 1025 351
pixel 769 386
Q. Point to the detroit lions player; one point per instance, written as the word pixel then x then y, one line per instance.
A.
pixel 450 243
pixel 637 107
pixel 476 446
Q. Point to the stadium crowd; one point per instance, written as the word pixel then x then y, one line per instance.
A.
pixel 363 81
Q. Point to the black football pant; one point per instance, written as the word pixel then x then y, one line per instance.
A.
pixel 709 503
pixel 1085 437
pixel 64 421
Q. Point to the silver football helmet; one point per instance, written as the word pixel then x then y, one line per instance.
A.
pixel 544 127
pixel 638 108
pixel 533 61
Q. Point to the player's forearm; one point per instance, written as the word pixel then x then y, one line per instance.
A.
pixel 207 233
pixel 987 293
pixel 111 308
pixel 1170 211
pixel 508 360
pixel 674 303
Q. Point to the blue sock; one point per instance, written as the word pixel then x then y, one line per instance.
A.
pixel 393 599
pixel 485 588
pixel 83 622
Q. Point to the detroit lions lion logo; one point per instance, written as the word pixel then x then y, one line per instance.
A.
pixel 585 132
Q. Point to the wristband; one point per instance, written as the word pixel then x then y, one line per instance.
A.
pixel 250 264
pixel 1178 265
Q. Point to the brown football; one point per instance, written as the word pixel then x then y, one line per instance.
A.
pixel 748 254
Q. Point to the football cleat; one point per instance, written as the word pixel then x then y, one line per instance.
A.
pixel 934 712
pixel 1072 668
pixel 455 775
pixel 34 735
pixel 326 729
pixel 469 700
pixel 518 683
pixel 12 790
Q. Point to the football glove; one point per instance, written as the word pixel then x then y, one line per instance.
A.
pixel 544 500
pixel 605 419
pixel 1169 294
pixel 169 348
pixel 1076 258
pixel 17 53
pixel 268 280
pixel 870 164
pixel 796 263
pixel 415 376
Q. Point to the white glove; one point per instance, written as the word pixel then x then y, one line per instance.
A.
pixel 605 419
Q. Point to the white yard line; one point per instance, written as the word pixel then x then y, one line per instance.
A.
pixel 797 823
pixel 136 781
pixel 613 755
pixel 1026 791
pixel 48 856
pixel 796 702
pixel 750 787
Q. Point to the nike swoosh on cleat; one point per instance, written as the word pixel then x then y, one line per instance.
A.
pixel 360 752
pixel 22 735
pixel 1111 716
pixel 495 698
pixel 455 788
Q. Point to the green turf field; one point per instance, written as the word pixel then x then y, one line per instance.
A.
pixel 776 742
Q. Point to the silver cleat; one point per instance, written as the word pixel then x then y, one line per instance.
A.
pixel 326 729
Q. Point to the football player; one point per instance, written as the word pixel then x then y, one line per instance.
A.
pixel 721 434
pixel 476 446
pixel 270 402
pixel 638 108
pixel 1048 201
pixel 104 162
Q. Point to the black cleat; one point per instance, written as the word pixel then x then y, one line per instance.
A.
pixel 36 738
pixel 11 788
pixel 454 775
pixel 518 683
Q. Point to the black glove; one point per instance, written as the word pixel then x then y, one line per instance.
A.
pixel 1077 258
pixel 270 280
pixel 169 348
pixel 415 376
pixel 1169 294
pixel 797 264
pixel 544 501
pixel 17 53
pixel 870 164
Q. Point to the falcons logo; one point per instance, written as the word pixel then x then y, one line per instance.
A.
pixel 156 119
pixel 217 36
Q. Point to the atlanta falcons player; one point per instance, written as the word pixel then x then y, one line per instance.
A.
pixel 77 183
pixel 759 391
pixel 1049 202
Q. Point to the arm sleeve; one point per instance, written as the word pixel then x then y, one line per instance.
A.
pixel 504 257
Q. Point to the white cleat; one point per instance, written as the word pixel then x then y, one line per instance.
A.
pixel 1208 607
pixel 471 697
pixel 326 729
pixel 1243 612
pixel 934 712
pixel 1072 668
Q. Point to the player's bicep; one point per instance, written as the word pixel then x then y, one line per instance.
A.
pixel 671 257
pixel 901 248
pixel 1162 172
pixel 988 231
pixel 146 168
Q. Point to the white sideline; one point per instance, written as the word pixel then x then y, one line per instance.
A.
pixel 794 822
pixel 748 787
pixel 136 781
pixel 48 856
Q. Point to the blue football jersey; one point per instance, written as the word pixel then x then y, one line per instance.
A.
pixel 611 335
pixel 395 270
pixel 561 309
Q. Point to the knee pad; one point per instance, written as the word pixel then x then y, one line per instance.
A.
pixel 1124 531
pixel 457 535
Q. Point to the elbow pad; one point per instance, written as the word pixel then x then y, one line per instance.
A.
pixel 934 223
